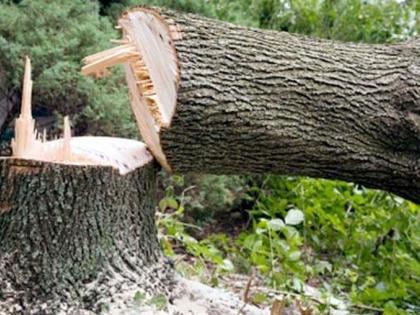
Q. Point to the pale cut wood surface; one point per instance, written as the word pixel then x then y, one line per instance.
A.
pixel 152 37
pixel 152 71
pixel 123 154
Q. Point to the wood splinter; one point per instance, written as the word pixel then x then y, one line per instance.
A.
pixel 152 72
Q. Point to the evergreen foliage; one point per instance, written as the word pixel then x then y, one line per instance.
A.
pixel 56 35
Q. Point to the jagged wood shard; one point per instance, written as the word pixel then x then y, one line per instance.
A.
pixel 261 101
pixel 148 49
pixel 25 142
pixel 151 70
pixel 97 63
pixel 145 121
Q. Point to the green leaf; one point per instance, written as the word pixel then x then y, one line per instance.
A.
pixel 168 203
pixel 172 203
pixel 294 217
pixel 162 205
pixel 250 241
pixel 276 224
pixel 259 298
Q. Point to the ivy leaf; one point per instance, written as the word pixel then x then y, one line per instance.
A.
pixel 294 217
pixel 168 203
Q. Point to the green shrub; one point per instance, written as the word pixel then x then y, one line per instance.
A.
pixel 370 239
pixel 56 35
pixel 346 20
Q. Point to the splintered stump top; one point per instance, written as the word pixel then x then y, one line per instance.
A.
pixel 125 155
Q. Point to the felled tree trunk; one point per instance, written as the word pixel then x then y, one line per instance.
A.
pixel 219 98
pixel 77 237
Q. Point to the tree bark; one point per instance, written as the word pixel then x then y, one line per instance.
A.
pixel 77 237
pixel 261 101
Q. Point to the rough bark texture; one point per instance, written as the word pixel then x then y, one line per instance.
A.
pixel 74 237
pixel 259 101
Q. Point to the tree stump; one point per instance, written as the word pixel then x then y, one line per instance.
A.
pixel 75 237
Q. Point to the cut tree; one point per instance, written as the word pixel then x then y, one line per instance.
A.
pixel 213 97
pixel 78 233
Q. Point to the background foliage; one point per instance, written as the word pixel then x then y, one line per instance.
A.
pixel 57 35
pixel 360 245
